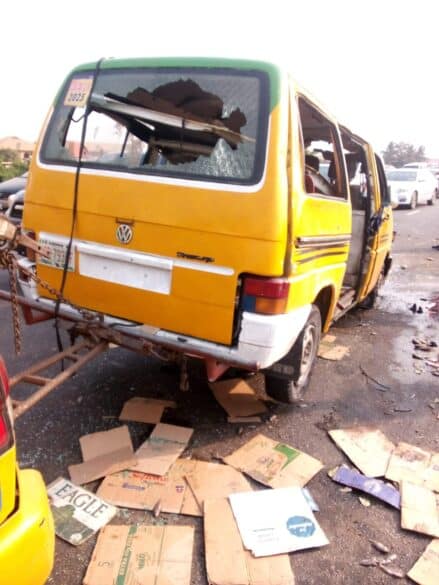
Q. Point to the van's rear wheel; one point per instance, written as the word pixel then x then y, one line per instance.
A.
pixel 299 360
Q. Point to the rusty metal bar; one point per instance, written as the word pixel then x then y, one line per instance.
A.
pixel 21 406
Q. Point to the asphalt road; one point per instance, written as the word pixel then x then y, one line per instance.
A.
pixel 340 395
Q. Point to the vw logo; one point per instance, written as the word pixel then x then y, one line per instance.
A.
pixel 124 233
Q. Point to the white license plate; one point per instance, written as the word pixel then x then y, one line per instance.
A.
pixel 56 255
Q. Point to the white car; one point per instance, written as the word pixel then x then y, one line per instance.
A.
pixel 410 186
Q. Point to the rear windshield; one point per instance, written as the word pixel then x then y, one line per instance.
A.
pixel 401 176
pixel 184 123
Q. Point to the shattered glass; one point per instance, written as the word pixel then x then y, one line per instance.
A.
pixel 188 124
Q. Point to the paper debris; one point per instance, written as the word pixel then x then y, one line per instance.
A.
pixel 150 555
pixel 237 398
pixel 145 410
pixel 223 543
pixel 369 449
pixel 211 481
pixel 414 465
pixel 162 448
pixel 77 513
pixel 141 491
pixel 426 569
pixel 364 502
pixel 103 453
pixel 332 352
pixel 274 464
pixel 374 487
pixel 419 509
pixel 276 521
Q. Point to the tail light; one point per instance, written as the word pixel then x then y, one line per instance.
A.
pixel 268 296
pixel 6 436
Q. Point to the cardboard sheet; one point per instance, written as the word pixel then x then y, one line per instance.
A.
pixel 227 562
pixel 145 410
pixel 237 398
pixel 141 491
pixel 162 448
pixel 375 487
pixel 209 481
pixel 151 555
pixel 328 351
pixel 419 509
pixel 274 464
pixel 414 465
pixel 77 513
pixel 369 449
pixel 276 521
pixel 426 569
pixel 103 453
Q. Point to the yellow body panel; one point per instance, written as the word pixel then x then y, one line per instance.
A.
pixel 27 536
pixel 242 231
pixel 7 483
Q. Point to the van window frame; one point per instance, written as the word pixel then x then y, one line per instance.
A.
pixel 343 194
pixel 262 135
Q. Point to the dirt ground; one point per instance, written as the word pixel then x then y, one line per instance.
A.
pixel 340 395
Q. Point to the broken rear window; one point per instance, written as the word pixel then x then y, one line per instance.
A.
pixel 183 123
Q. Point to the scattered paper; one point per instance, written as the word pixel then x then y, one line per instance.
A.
pixel 237 398
pixel 276 521
pixel 227 562
pixel 414 465
pixel 274 464
pixel 426 569
pixel 151 555
pixel 162 448
pixel 331 352
pixel 103 453
pixel 145 410
pixel 142 491
pixel 419 509
pixel 77 513
pixel 369 449
pixel 211 481
pixel 375 487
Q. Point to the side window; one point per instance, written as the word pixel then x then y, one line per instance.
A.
pixel 384 189
pixel 323 171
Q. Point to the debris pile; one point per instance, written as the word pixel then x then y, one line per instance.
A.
pixel 412 487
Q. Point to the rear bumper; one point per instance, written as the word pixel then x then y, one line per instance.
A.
pixel 27 537
pixel 263 339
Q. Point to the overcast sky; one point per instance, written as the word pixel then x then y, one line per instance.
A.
pixel 373 63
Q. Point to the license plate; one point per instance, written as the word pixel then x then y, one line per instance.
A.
pixel 56 255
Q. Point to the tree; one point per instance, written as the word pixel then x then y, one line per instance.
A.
pixel 10 164
pixel 399 154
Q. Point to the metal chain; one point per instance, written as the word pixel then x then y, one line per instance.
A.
pixel 11 266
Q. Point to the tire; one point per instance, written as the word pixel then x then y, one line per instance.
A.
pixel 414 201
pixel 300 359
pixel 433 198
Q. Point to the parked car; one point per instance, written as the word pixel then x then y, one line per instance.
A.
pixel 14 212
pixel 10 187
pixel 26 525
pixel 410 186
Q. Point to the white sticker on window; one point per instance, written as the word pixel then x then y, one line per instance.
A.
pixel 78 92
